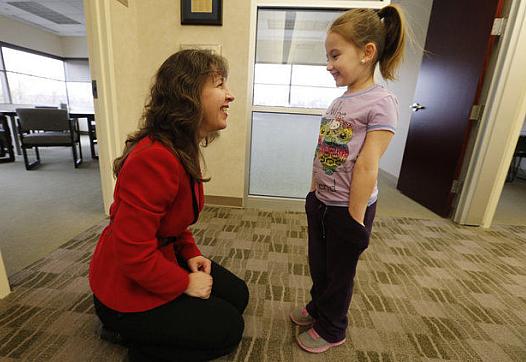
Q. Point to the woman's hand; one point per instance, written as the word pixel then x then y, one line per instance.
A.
pixel 200 263
pixel 200 285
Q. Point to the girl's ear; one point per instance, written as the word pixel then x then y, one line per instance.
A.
pixel 369 52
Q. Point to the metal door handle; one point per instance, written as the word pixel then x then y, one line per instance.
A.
pixel 417 106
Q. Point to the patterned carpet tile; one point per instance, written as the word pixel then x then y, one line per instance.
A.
pixel 425 290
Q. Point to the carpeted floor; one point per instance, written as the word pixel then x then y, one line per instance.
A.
pixel 426 290
pixel 44 208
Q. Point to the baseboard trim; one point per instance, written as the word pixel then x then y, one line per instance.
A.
pixel 223 201
pixel 389 177
pixel 275 203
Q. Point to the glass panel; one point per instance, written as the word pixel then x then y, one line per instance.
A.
pixel 26 89
pixel 293 41
pixel 3 88
pixel 80 97
pixel 3 84
pixel 282 153
pixel 288 36
pixel 77 70
pixel 315 75
pixel 271 95
pixel 272 74
pixel 28 63
pixel 313 97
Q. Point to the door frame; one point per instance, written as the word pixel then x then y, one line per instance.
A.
pixel 500 126
pixel 100 43
pixel 253 201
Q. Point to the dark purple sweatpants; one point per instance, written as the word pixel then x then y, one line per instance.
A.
pixel 335 244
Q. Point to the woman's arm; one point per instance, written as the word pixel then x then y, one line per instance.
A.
pixel 365 172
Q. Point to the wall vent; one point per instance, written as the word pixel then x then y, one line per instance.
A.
pixel 43 12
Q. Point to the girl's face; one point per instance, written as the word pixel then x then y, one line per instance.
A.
pixel 215 100
pixel 344 61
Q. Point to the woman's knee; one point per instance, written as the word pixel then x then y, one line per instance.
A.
pixel 244 295
pixel 232 288
pixel 229 329
pixel 237 328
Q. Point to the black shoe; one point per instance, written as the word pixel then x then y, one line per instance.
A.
pixel 112 336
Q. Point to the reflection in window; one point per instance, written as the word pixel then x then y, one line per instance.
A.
pixel 290 52
pixel 78 83
pixel 313 97
pixel 3 88
pixel 271 95
pixel 312 86
pixel 26 89
pixel 302 86
pixel 312 75
pixel 80 98
pixel 272 74
pixel 42 81
pixel 23 62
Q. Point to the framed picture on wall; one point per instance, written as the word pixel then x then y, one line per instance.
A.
pixel 202 12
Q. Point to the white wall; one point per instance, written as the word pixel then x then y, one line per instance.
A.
pixel 417 13
pixel 74 46
pixel 128 43
pixel 24 35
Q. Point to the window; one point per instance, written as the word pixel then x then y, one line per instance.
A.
pixel 37 80
pixel 3 84
pixel 34 79
pixel 78 84
pixel 3 95
pixel 290 69
pixel 282 152
pixel 26 89
pixel 27 63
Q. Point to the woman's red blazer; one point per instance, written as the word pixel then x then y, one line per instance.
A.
pixel 131 270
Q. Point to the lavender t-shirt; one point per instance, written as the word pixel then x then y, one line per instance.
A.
pixel 342 134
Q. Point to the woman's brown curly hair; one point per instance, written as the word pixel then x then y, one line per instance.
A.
pixel 173 113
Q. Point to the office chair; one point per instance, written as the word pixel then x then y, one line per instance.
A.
pixel 7 152
pixel 40 127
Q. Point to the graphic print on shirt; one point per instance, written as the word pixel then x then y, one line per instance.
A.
pixel 332 149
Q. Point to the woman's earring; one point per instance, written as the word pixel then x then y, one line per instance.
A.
pixel 362 61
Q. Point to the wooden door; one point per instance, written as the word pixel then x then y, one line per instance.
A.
pixel 457 45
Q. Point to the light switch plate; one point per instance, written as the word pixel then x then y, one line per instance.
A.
pixel 216 48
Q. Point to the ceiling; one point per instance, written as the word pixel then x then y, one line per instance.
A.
pixel 60 17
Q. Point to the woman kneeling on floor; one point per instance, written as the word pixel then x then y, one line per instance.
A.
pixel 152 287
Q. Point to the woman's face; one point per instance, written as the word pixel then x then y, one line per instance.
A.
pixel 215 100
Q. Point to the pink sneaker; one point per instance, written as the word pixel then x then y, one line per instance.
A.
pixel 311 341
pixel 301 317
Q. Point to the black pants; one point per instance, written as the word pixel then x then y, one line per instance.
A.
pixel 336 241
pixel 188 328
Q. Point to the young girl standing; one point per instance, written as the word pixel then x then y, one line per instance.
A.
pixel 354 133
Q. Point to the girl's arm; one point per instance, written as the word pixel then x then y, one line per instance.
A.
pixel 365 172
